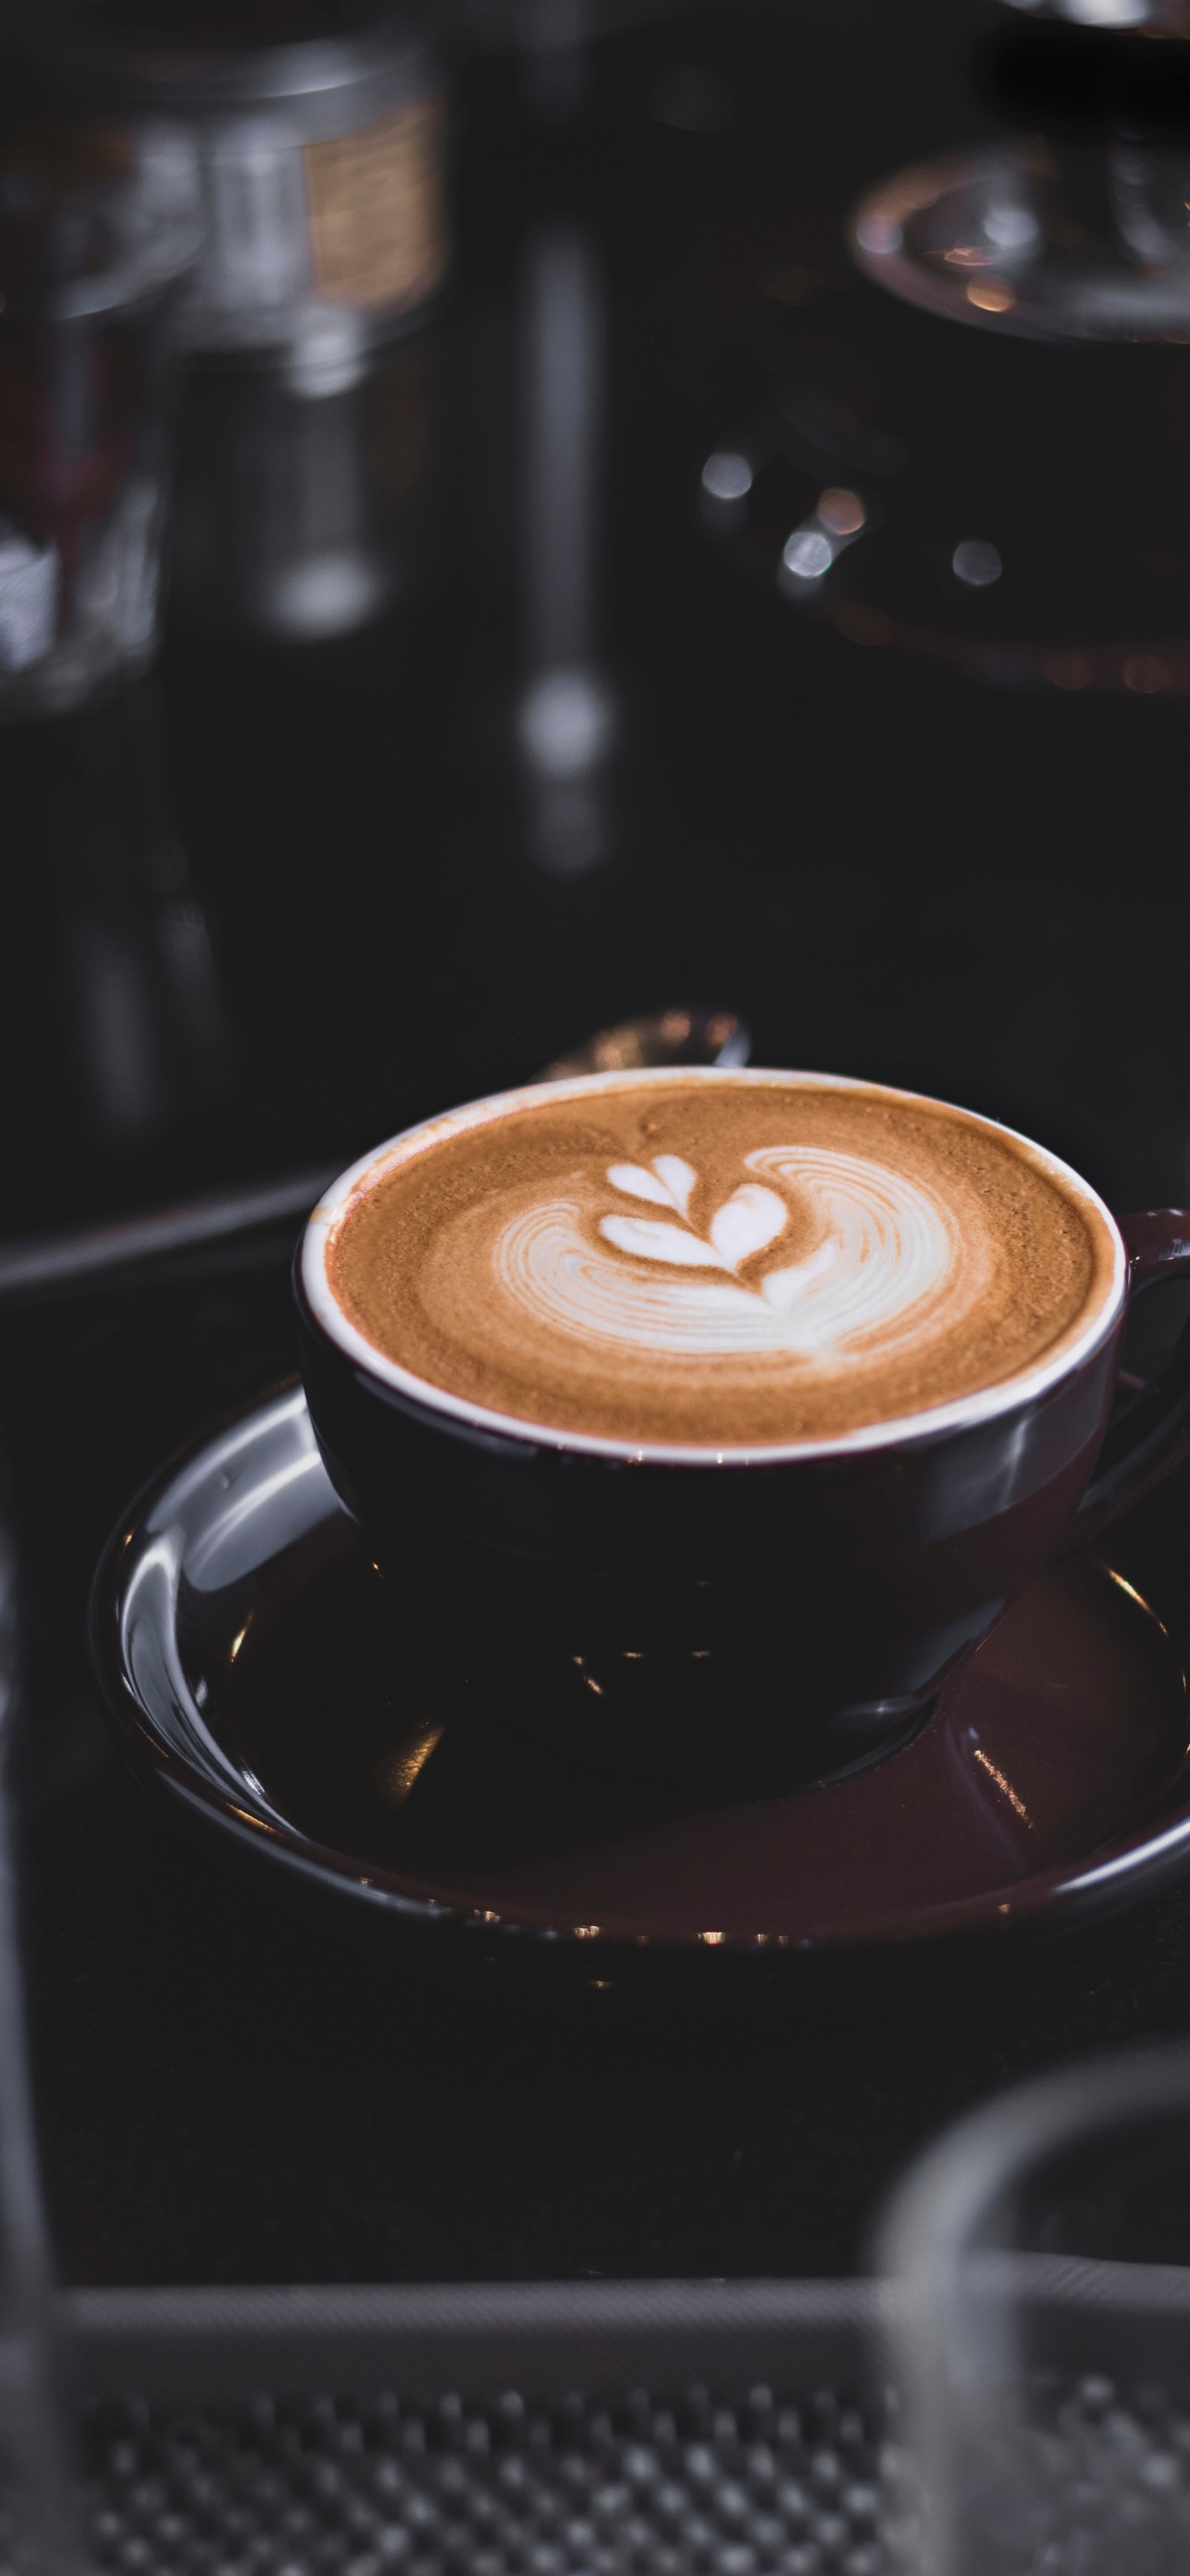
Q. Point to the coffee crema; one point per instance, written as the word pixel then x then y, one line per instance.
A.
pixel 729 1259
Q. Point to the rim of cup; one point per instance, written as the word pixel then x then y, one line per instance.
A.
pixel 1079 1343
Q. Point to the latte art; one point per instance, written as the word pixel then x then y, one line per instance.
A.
pixel 715 1260
pixel 884 1248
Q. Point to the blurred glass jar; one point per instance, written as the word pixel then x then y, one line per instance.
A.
pixel 313 133
pixel 305 490
pixel 96 233
pixel 1037 2262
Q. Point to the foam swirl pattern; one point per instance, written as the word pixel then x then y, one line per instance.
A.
pixel 885 1250
pixel 716 1260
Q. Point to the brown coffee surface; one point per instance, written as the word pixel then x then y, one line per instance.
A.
pixel 726 1260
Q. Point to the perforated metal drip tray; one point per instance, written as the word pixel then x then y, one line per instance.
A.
pixel 587 2429
pixel 501 2432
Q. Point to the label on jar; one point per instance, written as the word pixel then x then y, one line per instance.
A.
pixel 377 210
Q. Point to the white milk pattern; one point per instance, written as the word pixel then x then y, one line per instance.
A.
pixel 887 1254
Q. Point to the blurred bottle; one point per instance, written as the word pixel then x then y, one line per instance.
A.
pixel 96 232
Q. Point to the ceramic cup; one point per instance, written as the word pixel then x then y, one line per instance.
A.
pixel 806 1602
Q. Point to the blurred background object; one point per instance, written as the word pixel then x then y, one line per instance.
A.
pixel 1039 239
pixel 552 38
pixel 96 234
pixel 114 1015
pixel 888 504
pixel 305 147
pixel 672 1037
pixel 891 508
pixel 1112 17
pixel 543 23
pixel 39 2503
pixel 1039 2306
pixel 140 987
pixel 311 138
pixel 566 721
pixel 306 489
pixel 956 496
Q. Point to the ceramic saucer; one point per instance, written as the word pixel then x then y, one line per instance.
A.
pixel 252 1667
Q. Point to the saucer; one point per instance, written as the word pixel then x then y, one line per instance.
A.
pixel 251 1664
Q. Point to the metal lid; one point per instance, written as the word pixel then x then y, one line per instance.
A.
pixel 204 56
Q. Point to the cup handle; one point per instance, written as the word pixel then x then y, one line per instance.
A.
pixel 1153 1436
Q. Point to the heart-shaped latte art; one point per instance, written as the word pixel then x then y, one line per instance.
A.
pixel 883 1248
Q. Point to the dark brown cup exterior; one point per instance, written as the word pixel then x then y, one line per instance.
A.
pixel 813 1605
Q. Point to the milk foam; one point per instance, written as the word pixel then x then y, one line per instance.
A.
pixel 712 1261
pixel 884 1248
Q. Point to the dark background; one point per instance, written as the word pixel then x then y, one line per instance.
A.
pixel 314 895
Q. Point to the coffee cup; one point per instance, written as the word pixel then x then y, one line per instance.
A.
pixel 697 1408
